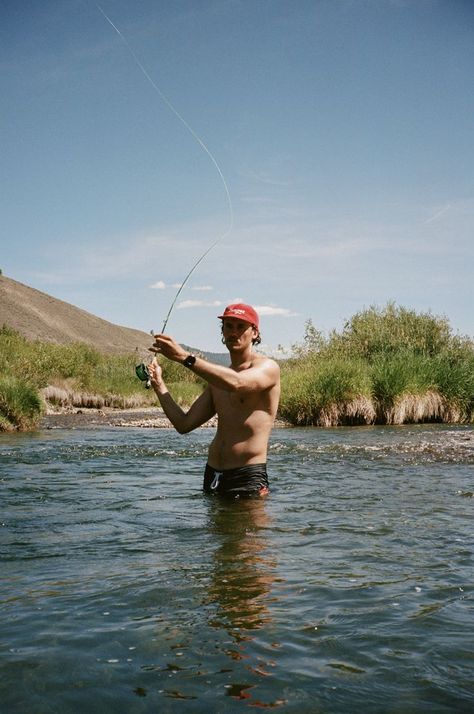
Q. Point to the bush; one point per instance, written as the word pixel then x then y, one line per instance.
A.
pixel 391 365
pixel 20 405
pixel 316 390
pixel 403 371
pixel 389 330
pixel 453 374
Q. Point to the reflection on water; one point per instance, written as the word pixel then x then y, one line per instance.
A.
pixel 243 572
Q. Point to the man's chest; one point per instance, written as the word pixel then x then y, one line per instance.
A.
pixel 232 402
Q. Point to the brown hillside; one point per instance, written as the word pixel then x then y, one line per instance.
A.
pixel 36 315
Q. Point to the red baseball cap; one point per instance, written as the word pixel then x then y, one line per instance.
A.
pixel 243 312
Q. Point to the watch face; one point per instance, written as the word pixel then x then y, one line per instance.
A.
pixel 189 361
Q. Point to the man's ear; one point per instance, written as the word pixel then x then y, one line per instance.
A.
pixel 256 339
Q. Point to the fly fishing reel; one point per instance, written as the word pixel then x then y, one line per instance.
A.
pixel 142 371
pixel 143 374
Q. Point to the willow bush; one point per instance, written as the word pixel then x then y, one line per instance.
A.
pixel 388 365
pixel 453 374
pixel 389 330
pixel 317 390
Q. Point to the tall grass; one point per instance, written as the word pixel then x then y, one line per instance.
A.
pixel 319 391
pixel 76 375
pixel 388 365
pixel 20 405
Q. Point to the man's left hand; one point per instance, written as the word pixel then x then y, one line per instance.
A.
pixel 167 346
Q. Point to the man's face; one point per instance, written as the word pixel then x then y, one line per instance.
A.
pixel 237 333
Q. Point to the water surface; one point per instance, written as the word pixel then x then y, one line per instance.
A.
pixel 348 589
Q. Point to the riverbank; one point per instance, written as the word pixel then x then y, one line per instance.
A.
pixel 145 418
pixel 81 418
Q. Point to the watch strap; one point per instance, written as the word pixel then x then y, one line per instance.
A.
pixel 189 361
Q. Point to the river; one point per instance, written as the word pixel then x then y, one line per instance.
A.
pixel 348 589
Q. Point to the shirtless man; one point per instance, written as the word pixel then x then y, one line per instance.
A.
pixel 244 396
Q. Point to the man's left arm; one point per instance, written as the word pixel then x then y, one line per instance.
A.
pixel 263 375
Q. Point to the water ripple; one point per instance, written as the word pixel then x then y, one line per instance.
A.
pixel 348 589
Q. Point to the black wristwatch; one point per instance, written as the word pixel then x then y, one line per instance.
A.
pixel 189 361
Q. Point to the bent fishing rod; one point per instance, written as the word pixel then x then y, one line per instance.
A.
pixel 142 370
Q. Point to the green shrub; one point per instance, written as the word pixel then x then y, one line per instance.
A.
pixel 453 373
pixel 385 331
pixel 314 384
pixel 404 371
pixel 20 405
pixel 390 362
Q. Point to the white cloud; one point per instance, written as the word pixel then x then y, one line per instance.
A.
pixel 270 310
pixel 160 285
pixel 202 288
pixel 186 304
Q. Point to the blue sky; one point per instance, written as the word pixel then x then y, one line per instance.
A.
pixel 343 130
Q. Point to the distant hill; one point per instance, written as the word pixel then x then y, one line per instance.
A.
pixel 216 357
pixel 37 315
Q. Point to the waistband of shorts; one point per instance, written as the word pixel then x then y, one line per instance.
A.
pixel 248 469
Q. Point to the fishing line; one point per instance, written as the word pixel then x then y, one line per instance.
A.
pixel 203 147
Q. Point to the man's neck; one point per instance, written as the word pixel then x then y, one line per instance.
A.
pixel 239 359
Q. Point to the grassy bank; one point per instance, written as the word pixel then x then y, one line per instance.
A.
pixel 387 366
pixel 35 374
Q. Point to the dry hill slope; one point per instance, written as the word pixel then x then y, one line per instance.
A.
pixel 36 315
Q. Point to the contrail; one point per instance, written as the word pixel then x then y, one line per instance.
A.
pixel 203 147
pixel 440 213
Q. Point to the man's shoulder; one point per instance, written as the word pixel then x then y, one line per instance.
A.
pixel 263 361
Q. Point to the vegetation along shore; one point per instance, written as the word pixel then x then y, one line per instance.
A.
pixel 388 365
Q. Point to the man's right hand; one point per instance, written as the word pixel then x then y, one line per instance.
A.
pixel 156 373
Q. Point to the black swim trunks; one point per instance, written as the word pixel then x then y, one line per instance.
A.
pixel 244 481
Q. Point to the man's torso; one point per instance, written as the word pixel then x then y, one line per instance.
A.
pixel 245 421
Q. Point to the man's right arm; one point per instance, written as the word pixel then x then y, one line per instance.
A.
pixel 200 411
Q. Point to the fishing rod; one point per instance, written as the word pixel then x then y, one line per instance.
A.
pixel 203 146
pixel 142 369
